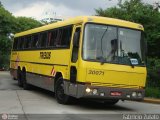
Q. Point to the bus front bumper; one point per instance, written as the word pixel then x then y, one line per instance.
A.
pixel 102 92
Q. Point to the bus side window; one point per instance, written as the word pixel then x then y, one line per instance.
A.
pixel 58 38
pixel 34 40
pixel 43 40
pixel 15 44
pixel 55 34
pixel 18 43
pixel 38 42
pixel 66 38
pixel 27 43
pixel 22 43
pixel 49 38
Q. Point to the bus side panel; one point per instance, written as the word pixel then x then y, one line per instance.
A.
pixel 45 81
pixel 39 70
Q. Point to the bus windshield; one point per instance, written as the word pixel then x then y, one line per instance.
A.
pixel 113 45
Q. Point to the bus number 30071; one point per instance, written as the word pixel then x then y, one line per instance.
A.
pixel 95 72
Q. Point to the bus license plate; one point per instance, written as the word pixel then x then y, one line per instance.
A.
pixel 115 93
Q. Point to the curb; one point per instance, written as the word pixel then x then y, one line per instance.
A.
pixel 151 100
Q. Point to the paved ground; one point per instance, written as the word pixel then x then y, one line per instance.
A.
pixel 15 100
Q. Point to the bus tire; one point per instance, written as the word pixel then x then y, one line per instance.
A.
pixel 26 86
pixel 19 78
pixel 59 92
pixel 110 102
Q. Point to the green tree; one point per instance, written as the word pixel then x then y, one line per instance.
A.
pixel 25 23
pixel 10 24
pixel 6 21
pixel 6 27
pixel 0 4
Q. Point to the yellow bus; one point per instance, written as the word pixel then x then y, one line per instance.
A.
pixel 84 57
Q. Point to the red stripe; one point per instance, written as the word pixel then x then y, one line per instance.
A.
pixel 52 71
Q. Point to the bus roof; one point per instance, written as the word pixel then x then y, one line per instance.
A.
pixel 83 19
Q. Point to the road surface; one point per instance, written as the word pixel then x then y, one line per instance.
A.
pixel 38 103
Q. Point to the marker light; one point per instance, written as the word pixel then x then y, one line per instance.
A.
pixel 95 91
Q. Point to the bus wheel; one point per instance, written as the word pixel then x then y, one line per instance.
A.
pixel 19 78
pixel 26 86
pixel 59 92
pixel 110 102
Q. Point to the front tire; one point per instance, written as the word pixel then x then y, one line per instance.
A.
pixel 61 97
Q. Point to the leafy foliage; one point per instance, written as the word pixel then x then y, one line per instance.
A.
pixel 153 72
pixel 10 24
pixel 6 21
pixel 6 26
pixel 5 44
pixel 24 23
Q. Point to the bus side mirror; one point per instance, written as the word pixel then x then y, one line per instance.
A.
pixel 76 39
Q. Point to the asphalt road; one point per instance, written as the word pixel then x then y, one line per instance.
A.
pixel 41 104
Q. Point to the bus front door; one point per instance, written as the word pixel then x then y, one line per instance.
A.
pixel 74 60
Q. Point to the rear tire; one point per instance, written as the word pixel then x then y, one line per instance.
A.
pixel 26 86
pixel 61 97
pixel 19 78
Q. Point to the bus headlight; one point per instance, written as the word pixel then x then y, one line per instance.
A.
pixel 134 94
pixel 88 90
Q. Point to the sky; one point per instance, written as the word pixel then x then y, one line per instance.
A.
pixel 39 9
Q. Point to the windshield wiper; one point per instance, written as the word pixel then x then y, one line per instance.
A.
pixel 102 59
